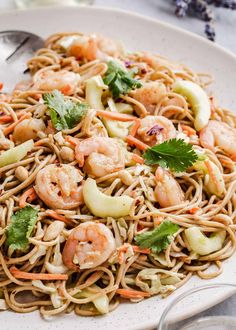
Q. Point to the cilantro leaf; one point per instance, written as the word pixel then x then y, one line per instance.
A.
pixel 120 81
pixel 174 154
pixel 159 238
pixel 64 113
pixel 20 228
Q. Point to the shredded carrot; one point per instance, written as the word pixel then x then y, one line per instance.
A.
pixel 40 276
pixel 137 143
pixel 8 118
pixel 9 129
pixel 1 86
pixel 233 157
pixel 124 248
pixel 121 253
pixel 72 140
pixel 228 162
pixel 20 114
pixel 29 195
pixel 137 249
pixel 38 143
pixel 188 130
pixel 121 256
pixel 193 210
pixel 135 127
pixel 66 90
pixel 53 214
pixel 157 220
pixel 116 116
pixel 37 96
pixel 129 293
pixel 5 119
pixel 137 159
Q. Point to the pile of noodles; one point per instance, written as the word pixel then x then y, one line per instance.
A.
pixel 176 264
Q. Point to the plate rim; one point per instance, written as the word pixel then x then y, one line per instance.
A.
pixel 148 324
pixel 124 12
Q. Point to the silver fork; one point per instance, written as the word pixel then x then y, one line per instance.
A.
pixel 16 47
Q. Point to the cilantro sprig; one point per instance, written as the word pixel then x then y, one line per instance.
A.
pixel 120 81
pixel 64 113
pixel 174 154
pixel 159 238
pixel 20 228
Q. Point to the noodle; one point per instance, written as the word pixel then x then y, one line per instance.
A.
pixel 128 272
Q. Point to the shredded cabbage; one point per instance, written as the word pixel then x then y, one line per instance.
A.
pixel 151 281
pixel 41 251
pixel 56 266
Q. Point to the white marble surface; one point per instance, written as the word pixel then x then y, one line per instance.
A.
pixel 163 10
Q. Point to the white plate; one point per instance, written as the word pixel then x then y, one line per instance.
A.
pixel 138 33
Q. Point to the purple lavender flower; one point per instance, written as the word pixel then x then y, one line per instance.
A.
pixel 201 9
pixel 182 7
pixel 210 32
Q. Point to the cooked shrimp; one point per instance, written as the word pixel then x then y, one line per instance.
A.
pixel 58 186
pixel 5 143
pixel 83 47
pixel 150 94
pixel 93 47
pixel 155 62
pixel 28 129
pixel 217 133
pixel 88 246
pixel 215 183
pixel 23 85
pixel 65 81
pixel 168 191
pixel 109 46
pixel 156 129
pixel 104 155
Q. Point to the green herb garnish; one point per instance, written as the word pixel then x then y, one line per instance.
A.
pixel 20 228
pixel 159 238
pixel 174 154
pixel 119 81
pixel 65 114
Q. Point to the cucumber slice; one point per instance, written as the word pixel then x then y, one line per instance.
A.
pixel 102 205
pixel 94 91
pixel 198 100
pixel 101 303
pixel 117 128
pixel 16 154
pixel 203 245
pixel 124 108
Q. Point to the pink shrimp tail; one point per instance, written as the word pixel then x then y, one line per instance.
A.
pixel 79 156
pixel 68 253
pixel 159 174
